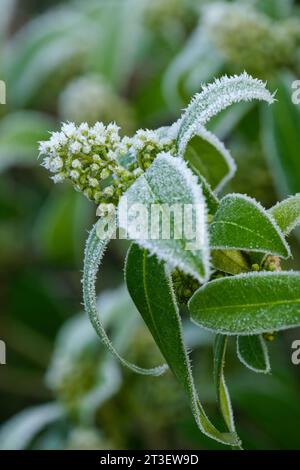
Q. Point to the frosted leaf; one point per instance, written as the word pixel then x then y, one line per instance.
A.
pixel 242 223
pixel 218 96
pixel 95 248
pixel 148 280
pixel 287 214
pixel 248 304
pixel 220 346
pixel 207 155
pixel 170 187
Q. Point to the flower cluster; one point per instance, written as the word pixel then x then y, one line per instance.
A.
pixel 90 99
pixel 250 40
pixel 147 144
pixel 97 161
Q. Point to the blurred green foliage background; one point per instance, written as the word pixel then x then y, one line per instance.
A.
pixel 136 62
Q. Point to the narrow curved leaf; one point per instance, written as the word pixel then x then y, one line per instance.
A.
pixel 253 353
pixel 94 251
pixel 248 304
pixel 151 290
pixel 287 214
pixel 242 223
pixel 220 346
pixel 170 187
pixel 18 432
pixel 212 202
pixel 207 156
pixel 219 95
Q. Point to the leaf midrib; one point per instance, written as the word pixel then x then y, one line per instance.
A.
pixel 261 304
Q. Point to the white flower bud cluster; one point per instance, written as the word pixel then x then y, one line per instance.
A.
pixel 147 144
pixel 87 156
pixel 90 157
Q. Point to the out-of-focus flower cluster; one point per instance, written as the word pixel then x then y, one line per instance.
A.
pixel 98 161
pixel 90 99
pixel 250 40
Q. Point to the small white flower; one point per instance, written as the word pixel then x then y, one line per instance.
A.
pixel 44 147
pixel 94 183
pixel 86 149
pixel 76 163
pixel 100 139
pixel 94 167
pixel 75 147
pixel 55 164
pixel 108 191
pixel 98 128
pixel 74 174
pixel 84 127
pixel 59 178
pixel 69 129
pixel 46 163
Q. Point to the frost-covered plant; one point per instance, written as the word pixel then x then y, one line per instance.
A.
pixel 232 283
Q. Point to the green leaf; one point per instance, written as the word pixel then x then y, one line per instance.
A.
pixel 207 156
pixel 19 135
pixel 242 223
pixel 94 251
pixel 218 96
pixel 248 304
pixel 230 261
pixel 253 353
pixel 220 346
pixel 280 138
pixel 287 214
pixel 168 184
pixel 151 290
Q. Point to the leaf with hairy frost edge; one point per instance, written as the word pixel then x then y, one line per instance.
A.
pixel 150 287
pixel 241 223
pixel 252 351
pixel 208 155
pixel 219 95
pixel 94 251
pixel 287 214
pixel 212 202
pixel 211 199
pixel 167 182
pixel 248 304
pixel 220 346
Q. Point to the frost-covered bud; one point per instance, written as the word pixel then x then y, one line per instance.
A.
pixel 100 163
pixel 147 144
pixel 89 98
pixel 247 39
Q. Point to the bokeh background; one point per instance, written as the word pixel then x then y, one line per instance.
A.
pixel 136 62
